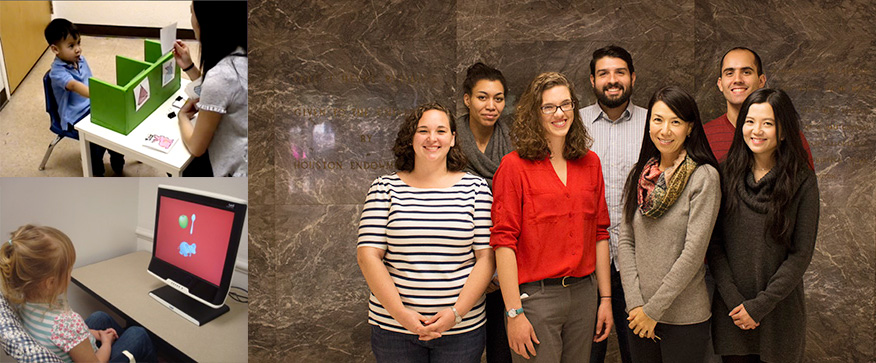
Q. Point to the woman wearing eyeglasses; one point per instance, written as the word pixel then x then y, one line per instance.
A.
pixel 549 231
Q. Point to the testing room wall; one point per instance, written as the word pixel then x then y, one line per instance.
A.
pixel 149 14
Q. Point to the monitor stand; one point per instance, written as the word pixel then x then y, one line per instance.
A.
pixel 190 309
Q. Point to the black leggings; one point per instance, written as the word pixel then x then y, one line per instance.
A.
pixel 752 358
pixel 498 350
pixel 200 166
pixel 678 343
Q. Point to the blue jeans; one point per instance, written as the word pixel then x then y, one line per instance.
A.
pixel 134 339
pixel 389 347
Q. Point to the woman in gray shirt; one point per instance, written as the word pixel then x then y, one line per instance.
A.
pixel 218 137
pixel 672 197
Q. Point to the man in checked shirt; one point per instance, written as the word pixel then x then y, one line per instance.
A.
pixel 616 126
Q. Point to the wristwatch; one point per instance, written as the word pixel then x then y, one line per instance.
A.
pixel 456 316
pixel 514 312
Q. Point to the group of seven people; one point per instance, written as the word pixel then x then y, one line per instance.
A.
pixel 577 219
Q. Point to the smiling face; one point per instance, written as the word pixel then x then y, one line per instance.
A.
pixel 668 131
pixel 739 76
pixel 486 102
pixel 433 138
pixel 557 123
pixel 760 130
pixel 612 82
pixel 69 49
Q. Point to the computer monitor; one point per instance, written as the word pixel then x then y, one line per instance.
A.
pixel 194 249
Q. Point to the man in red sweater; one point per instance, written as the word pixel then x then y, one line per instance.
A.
pixel 741 73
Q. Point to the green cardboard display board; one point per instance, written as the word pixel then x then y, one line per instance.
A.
pixel 113 105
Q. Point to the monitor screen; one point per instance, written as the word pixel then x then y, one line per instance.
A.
pixel 193 237
pixel 197 235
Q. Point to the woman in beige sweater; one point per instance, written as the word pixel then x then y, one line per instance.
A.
pixel 672 197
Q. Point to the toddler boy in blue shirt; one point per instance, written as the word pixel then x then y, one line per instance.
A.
pixel 69 78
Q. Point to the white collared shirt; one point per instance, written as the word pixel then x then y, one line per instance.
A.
pixel 617 144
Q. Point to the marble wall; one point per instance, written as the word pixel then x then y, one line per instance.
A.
pixel 331 81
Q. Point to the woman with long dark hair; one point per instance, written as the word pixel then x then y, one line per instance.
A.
pixel 483 136
pixel 424 247
pixel 550 229
pixel 765 236
pixel 218 139
pixel 671 201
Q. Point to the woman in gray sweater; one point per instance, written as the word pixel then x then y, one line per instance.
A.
pixel 765 235
pixel 672 197
pixel 483 136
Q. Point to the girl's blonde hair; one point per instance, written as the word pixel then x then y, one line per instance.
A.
pixel 32 256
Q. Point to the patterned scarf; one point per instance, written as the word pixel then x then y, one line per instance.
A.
pixel 658 190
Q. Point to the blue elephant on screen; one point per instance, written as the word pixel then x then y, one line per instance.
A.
pixel 186 249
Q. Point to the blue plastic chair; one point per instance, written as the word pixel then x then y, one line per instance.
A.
pixel 55 118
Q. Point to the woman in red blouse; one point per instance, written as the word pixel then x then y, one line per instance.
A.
pixel 549 229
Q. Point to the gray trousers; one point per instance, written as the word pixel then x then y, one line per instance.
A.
pixel 564 319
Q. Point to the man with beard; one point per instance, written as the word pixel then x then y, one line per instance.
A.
pixel 741 73
pixel 616 127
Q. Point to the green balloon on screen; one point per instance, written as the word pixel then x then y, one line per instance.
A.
pixel 183 221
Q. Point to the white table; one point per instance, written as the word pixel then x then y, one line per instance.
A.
pixel 123 284
pixel 131 145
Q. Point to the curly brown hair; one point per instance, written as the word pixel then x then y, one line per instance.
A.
pixel 403 148
pixel 528 133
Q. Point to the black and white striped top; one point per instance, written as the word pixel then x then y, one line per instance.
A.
pixel 430 235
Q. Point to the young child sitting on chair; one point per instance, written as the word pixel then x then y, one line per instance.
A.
pixel 69 75
pixel 35 269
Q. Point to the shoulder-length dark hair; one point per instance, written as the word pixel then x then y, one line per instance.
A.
pixel 403 148
pixel 528 133
pixel 790 157
pixel 223 29
pixel 697 146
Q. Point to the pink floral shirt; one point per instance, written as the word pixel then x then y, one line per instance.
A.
pixel 58 330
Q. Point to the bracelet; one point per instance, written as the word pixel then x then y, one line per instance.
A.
pixel 605 297
pixel 189 67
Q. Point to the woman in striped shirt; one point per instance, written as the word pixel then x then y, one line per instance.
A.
pixel 424 247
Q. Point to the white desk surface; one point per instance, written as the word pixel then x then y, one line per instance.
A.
pixel 124 283
pixel 131 145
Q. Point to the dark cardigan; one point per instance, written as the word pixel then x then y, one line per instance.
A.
pixel 750 268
